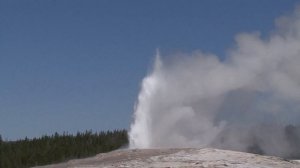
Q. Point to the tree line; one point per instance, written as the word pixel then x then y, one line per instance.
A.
pixel 58 147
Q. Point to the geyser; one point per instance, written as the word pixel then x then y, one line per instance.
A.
pixel 250 101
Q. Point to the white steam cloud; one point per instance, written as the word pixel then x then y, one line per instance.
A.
pixel 244 102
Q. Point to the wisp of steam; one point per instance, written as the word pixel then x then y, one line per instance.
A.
pixel 249 101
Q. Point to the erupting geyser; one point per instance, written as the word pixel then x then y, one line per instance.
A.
pixel 248 102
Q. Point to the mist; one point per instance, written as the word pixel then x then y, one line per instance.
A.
pixel 248 101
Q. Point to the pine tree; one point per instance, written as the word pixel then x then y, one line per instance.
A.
pixel 58 148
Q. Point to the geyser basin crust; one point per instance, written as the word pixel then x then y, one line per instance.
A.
pixel 190 157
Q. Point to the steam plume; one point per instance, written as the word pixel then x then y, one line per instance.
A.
pixel 248 102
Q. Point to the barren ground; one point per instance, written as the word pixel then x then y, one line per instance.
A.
pixel 183 158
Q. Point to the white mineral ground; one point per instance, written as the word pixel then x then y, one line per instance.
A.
pixel 178 158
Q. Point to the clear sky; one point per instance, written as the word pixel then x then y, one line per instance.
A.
pixel 72 65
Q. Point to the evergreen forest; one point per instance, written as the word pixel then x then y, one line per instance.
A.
pixel 58 148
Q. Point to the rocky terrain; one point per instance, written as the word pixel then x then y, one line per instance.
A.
pixel 178 158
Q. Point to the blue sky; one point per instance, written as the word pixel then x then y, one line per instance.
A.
pixel 72 65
